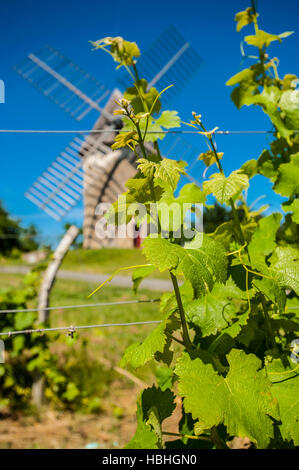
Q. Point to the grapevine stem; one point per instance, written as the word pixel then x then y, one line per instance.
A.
pixel 156 145
pixel 186 338
pixel 140 140
pixel 214 149
pixel 268 321
pixel 232 204
pixel 139 89
pixel 215 438
pixel 187 436
pixel 128 70
pixel 176 339
pixel 256 28
pixel 238 224
pixel 136 73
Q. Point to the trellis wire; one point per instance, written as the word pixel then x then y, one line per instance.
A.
pixel 63 307
pixel 72 329
pixel 99 131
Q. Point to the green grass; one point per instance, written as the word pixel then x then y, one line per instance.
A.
pixel 103 261
pixel 116 338
pixel 107 260
pixel 111 342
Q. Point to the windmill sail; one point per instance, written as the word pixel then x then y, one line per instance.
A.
pixel 63 82
pixel 87 166
pixel 60 187
pixel 170 59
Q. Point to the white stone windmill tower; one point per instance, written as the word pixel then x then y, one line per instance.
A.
pixel 88 166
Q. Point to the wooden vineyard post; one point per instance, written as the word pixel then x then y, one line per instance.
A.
pixel 44 296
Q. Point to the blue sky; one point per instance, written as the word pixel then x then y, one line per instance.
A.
pixel 25 26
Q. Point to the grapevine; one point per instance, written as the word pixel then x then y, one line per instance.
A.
pixel 224 341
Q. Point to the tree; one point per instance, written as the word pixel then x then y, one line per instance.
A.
pixel 14 236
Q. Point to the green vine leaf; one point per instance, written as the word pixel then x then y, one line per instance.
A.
pixel 140 190
pixel 227 334
pixel 192 194
pixel 217 309
pixel 148 97
pixel 209 157
pixel 201 266
pixel 123 52
pixel 164 402
pixel 168 301
pixel 24 320
pixel 155 345
pixel 262 39
pixel 247 93
pixel 241 281
pixel 154 127
pixel 287 183
pixel 289 81
pixel 294 208
pixel 250 168
pixel 267 165
pixel 243 18
pixel 289 105
pixel 145 437
pixel 165 173
pixel 168 120
pixel 273 291
pixel 285 383
pixel 269 100
pixel 139 274
pixel 154 132
pixel 124 139
pixel 263 243
pixel 224 188
pixel 153 407
pixel 242 400
pixel 138 354
pixel 285 267
pixel 168 173
pixel 248 81
pixel 164 377
pixel 173 210
pixel 245 75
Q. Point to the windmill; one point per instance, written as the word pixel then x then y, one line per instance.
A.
pixel 87 166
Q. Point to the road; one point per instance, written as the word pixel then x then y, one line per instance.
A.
pixel 120 281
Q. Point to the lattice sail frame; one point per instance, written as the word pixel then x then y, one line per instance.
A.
pixel 169 60
pixel 87 166
pixel 63 82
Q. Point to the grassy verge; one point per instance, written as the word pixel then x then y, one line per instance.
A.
pixel 90 359
pixel 107 343
pixel 106 260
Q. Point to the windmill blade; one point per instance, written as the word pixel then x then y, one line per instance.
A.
pixel 76 170
pixel 175 146
pixel 63 82
pixel 170 59
pixel 82 168
pixel 60 187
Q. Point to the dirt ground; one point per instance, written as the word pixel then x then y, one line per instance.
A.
pixel 65 430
